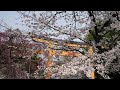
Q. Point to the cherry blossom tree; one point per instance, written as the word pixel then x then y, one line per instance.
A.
pixel 97 23
pixel 15 55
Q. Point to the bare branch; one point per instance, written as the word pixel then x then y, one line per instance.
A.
pixel 47 24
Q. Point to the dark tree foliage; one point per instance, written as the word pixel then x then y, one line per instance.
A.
pixel 15 55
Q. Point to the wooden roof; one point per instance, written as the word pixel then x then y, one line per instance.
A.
pixel 59 40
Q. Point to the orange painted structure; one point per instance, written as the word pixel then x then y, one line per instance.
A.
pixel 52 42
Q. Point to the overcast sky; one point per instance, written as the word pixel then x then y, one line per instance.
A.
pixel 12 18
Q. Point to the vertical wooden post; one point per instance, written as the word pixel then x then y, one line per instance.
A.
pixel 90 51
pixel 49 62
pixel 93 75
